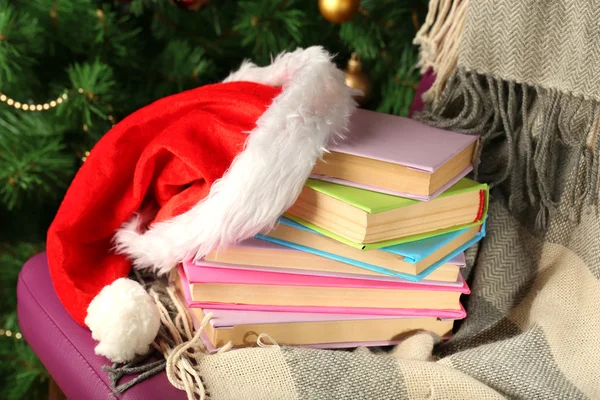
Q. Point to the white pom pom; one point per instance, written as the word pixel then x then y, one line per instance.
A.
pixel 123 319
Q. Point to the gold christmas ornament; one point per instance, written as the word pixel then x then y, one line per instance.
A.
pixel 338 11
pixel 356 78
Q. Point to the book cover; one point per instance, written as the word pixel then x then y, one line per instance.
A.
pixel 400 140
pixel 376 202
pixel 205 274
pixel 459 261
pixel 231 325
pixel 373 202
pixel 407 312
pixel 227 318
pixel 412 252
pixel 415 196
pixel 233 267
pixel 421 150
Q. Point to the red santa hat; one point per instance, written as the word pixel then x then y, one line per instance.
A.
pixel 187 174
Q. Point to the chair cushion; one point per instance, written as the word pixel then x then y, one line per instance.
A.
pixel 66 348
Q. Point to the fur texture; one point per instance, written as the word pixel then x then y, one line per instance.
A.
pixel 124 320
pixel 266 178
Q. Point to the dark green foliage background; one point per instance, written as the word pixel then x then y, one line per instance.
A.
pixel 123 55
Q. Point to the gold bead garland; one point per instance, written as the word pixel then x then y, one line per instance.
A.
pixel 43 107
pixel 40 107
pixel 33 107
pixel 9 333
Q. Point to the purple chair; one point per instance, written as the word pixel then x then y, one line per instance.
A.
pixel 67 349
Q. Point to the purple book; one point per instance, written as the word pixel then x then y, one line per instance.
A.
pixel 242 325
pixel 229 318
pixel 331 345
pixel 429 159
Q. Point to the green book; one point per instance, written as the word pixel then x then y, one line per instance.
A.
pixel 369 220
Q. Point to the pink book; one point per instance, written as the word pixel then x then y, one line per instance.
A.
pixel 223 317
pixel 401 141
pixel 205 273
pixel 232 268
pixel 405 312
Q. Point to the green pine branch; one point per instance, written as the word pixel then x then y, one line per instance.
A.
pixel 116 37
pixel 32 159
pixel 269 27
pixel 22 375
pixel 20 42
pixel 12 258
pixel 398 91
pixel 181 66
pixel 66 24
pixel 92 90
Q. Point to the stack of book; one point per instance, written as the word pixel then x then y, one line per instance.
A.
pixel 370 252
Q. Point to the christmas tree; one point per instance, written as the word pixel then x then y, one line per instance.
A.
pixel 71 69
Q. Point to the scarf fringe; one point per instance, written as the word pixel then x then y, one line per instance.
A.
pixel 178 347
pixel 439 40
pixel 540 145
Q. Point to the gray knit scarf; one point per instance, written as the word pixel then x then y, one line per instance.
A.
pixel 525 75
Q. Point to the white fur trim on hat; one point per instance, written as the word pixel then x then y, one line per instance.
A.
pixel 266 178
pixel 124 320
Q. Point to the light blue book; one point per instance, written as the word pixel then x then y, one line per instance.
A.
pixel 412 261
